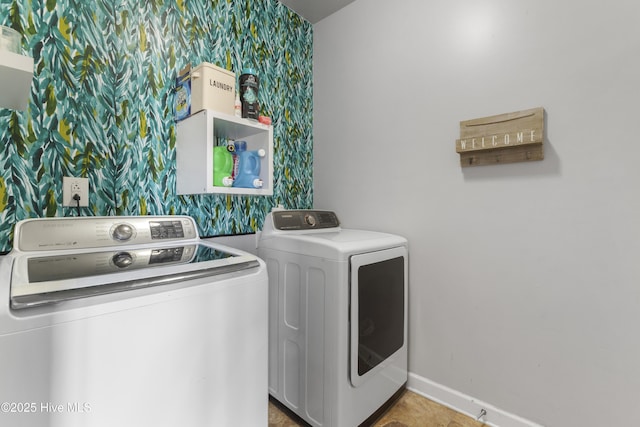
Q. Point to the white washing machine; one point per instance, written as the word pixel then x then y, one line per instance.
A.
pixel 130 322
pixel 337 317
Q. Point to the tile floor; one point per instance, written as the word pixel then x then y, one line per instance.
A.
pixel 411 410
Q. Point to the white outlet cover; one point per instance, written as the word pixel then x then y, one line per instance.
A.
pixel 72 185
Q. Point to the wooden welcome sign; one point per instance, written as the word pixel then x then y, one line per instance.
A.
pixel 505 138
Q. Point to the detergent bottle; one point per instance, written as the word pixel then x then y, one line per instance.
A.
pixel 222 167
pixel 249 169
pixel 249 86
pixel 235 148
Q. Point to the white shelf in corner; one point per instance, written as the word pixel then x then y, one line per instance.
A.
pixel 196 138
pixel 16 73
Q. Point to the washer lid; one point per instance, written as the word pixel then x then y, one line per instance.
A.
pixel 62 275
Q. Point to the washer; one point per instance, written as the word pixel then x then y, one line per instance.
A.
pixel 337 317
pixel 130 321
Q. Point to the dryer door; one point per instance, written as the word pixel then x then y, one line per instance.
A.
pixel 378 287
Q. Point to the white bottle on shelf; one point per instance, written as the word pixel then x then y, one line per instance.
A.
pixel 237 107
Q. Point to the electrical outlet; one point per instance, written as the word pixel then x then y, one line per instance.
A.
pixel 72 186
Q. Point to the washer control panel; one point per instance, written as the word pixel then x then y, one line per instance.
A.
pixel 94 232
pixel 304 220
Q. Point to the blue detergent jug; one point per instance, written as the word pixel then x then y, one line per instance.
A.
pixel 236 147
pixel 248 175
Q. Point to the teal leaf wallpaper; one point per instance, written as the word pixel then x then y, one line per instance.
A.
pixel 101 106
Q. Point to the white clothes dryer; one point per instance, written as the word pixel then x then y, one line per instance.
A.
pixel 337 317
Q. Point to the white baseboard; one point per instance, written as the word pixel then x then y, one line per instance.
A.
pixel 465 404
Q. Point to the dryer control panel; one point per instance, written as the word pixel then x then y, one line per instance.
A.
pixel 290 220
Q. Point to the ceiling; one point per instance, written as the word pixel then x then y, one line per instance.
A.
pixel 315 10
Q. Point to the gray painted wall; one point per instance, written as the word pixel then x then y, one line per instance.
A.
pixel 525 280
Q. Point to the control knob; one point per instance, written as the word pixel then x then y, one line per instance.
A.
pixel 122 232
pixel 310 220
pixel 122 259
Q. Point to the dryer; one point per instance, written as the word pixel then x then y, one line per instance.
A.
pixel 337 317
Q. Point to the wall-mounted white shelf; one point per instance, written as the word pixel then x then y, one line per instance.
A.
pixel 16 73
pixel 198 134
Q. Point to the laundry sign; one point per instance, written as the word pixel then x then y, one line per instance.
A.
pixel 505 138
